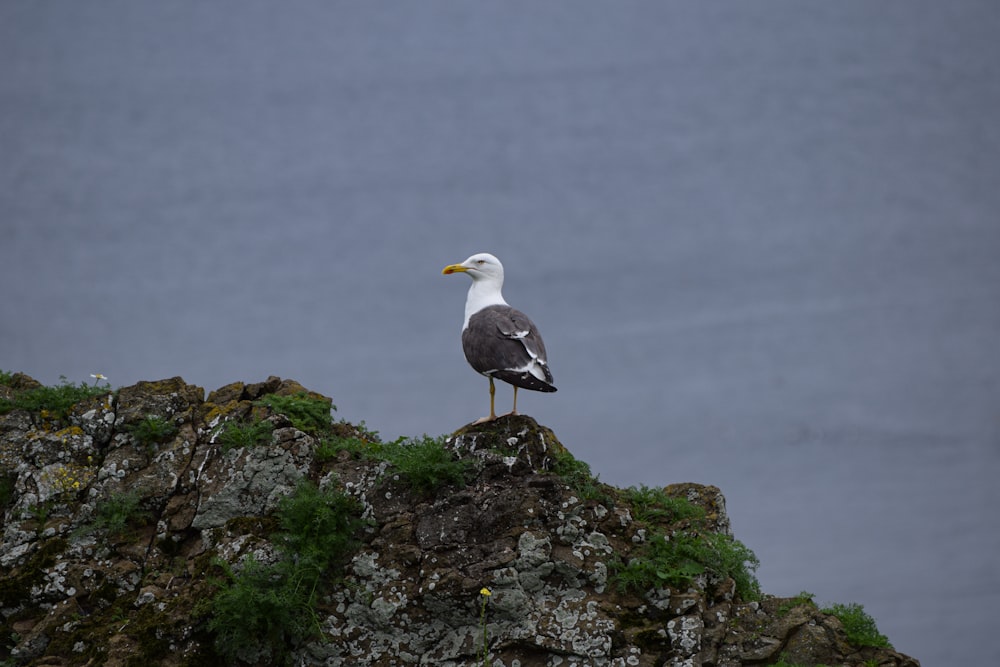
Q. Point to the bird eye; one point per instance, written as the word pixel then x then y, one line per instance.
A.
pixel 481 261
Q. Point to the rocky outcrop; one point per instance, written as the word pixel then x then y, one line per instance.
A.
pixel 128 515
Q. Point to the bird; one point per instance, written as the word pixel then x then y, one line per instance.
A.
pixel 499 341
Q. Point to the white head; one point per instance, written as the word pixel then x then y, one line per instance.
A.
pixel 486 272
pixel 482 266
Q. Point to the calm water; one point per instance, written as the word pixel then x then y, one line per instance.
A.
pixel 761 242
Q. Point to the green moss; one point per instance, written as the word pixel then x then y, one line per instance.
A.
pixel 152 643
pixel 153 631
pixel 259 526
pixel 15 588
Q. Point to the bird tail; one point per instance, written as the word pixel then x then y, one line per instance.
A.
pixel 524 380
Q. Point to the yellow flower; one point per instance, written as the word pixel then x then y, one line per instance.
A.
pixel 98 376
pixel 485 591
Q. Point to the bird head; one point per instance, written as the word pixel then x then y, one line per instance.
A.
pixel 482 266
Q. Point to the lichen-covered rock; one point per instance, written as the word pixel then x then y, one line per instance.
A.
pixel 115 543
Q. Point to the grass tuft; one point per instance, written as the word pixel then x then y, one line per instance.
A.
pixel 237 434
pixel 358 447
pixel 425 463
pixel 653 506
pixel 804 597
pixel 116 513
pixel 309 414
pixel 51 402
pixel 578 476
pixel 678 559
pixel 153 429
pixel 859 625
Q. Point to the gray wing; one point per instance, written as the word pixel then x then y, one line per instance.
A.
pixel 504 343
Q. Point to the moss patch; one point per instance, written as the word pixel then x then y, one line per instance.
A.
pixel 15 588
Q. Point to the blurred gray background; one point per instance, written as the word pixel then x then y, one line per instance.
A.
pixel 761 241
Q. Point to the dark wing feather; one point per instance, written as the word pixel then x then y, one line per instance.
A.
pixel 501 341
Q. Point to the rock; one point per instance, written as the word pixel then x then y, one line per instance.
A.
pixel 115 547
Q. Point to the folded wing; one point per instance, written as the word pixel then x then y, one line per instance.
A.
pixel 504 343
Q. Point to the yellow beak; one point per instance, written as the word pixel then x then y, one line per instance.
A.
pixel 454 268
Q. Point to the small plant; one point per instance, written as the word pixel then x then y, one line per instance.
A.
pixel 235 434
pixel 425 463
pixel 485 594
pixel 40 512
pixel 70 478
pixel 116 513
pixel 6 378
pixel 665 562
pixel 266 607
pixel 577 475
pixel 679 547
pixel 676 560
pixel 328 448
pixel 318 525
pixel 258 610
pixel 153 429
pixel 310 414
pixel 51 402
pixel 729 557
pixel 654 506
pixel 805 597
pixel 859 625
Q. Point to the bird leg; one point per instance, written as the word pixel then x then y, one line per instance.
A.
pixel 514 411
pixel 493 414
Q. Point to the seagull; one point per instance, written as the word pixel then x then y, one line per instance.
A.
pixel 499 341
